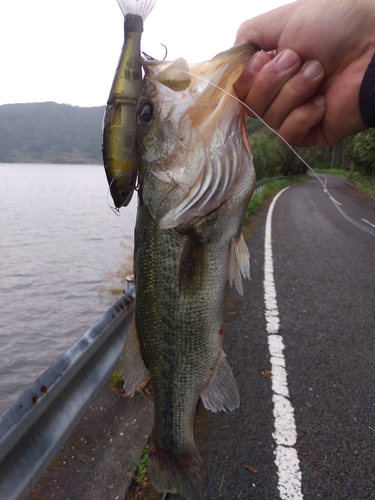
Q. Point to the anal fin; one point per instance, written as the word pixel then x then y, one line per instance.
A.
pixel 221 393
pixel 132 365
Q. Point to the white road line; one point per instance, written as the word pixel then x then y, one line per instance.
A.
pixel 334 201
pixel 285 435
pixel 364 220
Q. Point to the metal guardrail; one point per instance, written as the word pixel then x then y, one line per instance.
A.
pixel 35 427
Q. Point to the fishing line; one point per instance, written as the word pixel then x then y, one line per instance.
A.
pixel 359 225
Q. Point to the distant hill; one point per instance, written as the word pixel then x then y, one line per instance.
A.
pixel 47 132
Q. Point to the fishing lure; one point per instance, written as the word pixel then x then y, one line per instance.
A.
pixel 120 150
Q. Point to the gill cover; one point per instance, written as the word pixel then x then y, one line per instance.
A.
pixel 195 149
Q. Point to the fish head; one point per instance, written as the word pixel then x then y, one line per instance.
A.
pixel 192 136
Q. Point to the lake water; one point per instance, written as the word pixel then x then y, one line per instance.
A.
pixel 59 242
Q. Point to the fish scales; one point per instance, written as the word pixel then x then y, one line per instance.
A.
pixel 169 343
pixel 180 355
pixel 196 177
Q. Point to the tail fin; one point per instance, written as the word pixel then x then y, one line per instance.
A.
pixel 138 7
pixel 178 472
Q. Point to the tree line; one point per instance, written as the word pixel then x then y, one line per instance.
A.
pixel 50 133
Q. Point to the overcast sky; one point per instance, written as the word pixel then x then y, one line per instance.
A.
pixel 67 51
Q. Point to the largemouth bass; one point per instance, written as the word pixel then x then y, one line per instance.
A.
pixel 196 178
pixel 120 153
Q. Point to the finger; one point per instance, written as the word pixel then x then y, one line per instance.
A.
pixel 266 29
pixel 266 86
pixel 301 127
pixel 295 92
pixel 243 85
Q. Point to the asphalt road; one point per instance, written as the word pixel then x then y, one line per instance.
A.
pixel 324 272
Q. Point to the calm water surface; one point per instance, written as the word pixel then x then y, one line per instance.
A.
pixel 59 243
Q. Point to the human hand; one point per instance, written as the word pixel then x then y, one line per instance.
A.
pixel 310 90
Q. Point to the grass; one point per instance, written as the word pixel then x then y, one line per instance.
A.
pixel 366 184
pixel 116 383
pixel 141 485
pixel 257 200
pixel 142 466
pixel 117 380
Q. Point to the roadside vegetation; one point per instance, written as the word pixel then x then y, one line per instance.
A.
pixel 258 200
pixel 352 159
pixel 142 467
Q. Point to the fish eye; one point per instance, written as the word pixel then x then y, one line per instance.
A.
pixel 145 112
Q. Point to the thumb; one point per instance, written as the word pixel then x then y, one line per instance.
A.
pixel 265 30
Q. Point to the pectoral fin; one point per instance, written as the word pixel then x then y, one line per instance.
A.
pixel 193 267
pixel 239 262
pixel 132 365
pixel 221 393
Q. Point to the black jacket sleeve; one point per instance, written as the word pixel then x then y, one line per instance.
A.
pixel 367 95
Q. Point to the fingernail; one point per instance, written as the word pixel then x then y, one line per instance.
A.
pixel 256 63
pixel 312 69
pixel 320 101
pixel 286 60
